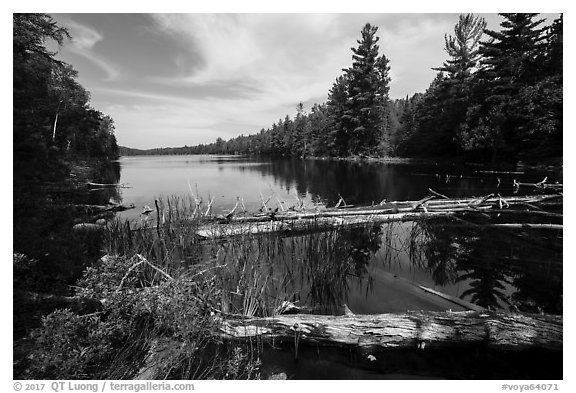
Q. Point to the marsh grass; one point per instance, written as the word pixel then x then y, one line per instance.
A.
pixel 256 273
pixel 163 289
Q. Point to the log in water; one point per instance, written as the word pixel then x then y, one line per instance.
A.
pixel 391 212
pixel 419 329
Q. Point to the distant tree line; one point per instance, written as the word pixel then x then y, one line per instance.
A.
pixel 53 121
pixel 498 97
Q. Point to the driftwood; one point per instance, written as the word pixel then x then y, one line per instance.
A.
pixel 424 330
pixel 104 185
pixel 541 184
pixel 386 212
pixel 527 226
pixel 502 172
pixel 426 205
pixel 305 224
pixel 87 226
pixel 94 209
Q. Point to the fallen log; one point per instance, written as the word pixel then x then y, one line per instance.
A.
pixel 103 185
pixel 542 185
pixel 296 225
pixel 411 211
pixel 403 207
pixel 87 226
pixel 502 172
pixel 423 330
pixel 527 226
pixel 104 208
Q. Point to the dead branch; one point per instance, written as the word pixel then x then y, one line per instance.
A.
pixel 437 194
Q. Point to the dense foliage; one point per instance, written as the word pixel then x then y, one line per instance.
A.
pixel 59 143
pixel 52 117
pixel 498 97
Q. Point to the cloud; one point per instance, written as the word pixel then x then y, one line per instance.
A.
pixel 243 72
pixel 194 77
pixel 280 58
pixel 84 39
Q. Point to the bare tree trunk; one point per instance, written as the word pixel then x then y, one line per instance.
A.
pixel 410 330
pixel 54 129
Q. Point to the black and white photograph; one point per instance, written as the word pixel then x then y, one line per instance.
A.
pixel 208 196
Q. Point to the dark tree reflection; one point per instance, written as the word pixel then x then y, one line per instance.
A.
pixel 501 268
pixel 314 270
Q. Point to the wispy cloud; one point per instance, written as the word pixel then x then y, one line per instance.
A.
pixel 283 58
pixel 84 39
pixel 189 78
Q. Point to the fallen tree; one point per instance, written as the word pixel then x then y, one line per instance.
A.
pixel 385 212
pixel 419 329
pixel 114 207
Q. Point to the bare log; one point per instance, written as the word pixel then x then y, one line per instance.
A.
pixel 541 184
pixel 103 185
pixel 86 226
pixel 502 172
pixel 105 208
pixel 303 221
pixel 527 226
pixel 433 330
pixel 294 224
pixel 397 207
pixel 541 213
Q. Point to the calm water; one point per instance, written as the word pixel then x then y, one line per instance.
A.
pixel 224 178
pixel 376 269
pixel 489 267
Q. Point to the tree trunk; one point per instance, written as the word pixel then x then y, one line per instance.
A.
pixel 434 330
pixel 304 221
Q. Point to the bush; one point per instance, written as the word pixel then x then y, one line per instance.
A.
pixel 140 309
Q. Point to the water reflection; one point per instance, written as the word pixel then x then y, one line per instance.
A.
pixel 378 268
pixel 501 269
pixel 372 269
pixel 316 271
pixel 365 183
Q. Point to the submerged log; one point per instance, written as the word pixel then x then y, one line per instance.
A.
pixel 433 330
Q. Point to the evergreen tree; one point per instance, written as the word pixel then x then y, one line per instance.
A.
pixel 511 62
pixel 337 136
pixel 444 107
pixel 367 89
pixel 320 139
pixel 463 47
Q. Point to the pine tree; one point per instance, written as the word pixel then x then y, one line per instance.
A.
pixel 463 47
pixel 511 62
pixel 337 136
pixel 367 90
pixel 444 108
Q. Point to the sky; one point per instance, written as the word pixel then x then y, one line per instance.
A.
pixel 184 79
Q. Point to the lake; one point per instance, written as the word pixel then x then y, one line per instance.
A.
pixel 488 267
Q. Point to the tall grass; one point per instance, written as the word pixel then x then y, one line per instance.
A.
pixel 256 273
pixel 164 288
